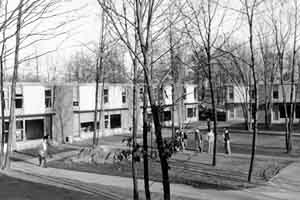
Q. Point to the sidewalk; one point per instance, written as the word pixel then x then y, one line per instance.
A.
pixel 178 190
pixel 286 185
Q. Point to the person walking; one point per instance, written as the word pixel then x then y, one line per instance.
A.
pixel 210 139
pixel 198 141
pixel 43 152
pixel 226 137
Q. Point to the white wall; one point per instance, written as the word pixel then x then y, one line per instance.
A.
pixel 167 94
pixel 190 94
pixel 33 99
pixel 240 94
pixel 87 97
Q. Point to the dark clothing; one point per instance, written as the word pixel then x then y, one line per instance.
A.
pixel 227 142
pixel 198 141
pixel 226 136
pixel 208 125
pixel 42 161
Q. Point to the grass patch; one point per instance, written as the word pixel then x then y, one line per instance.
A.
pixel 190 169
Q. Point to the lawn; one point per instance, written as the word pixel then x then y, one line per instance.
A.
pixel 269 145
pixel 195 169
pixel 191 169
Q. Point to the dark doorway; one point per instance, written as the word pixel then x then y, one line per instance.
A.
pixel 115 121
pixel 34 129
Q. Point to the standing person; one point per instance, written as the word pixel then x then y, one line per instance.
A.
pixel 43 152
pixel 183 138
pixel 177 143
pixel 208 124
pixel 210 139
pixel 226 137
pixel 198 141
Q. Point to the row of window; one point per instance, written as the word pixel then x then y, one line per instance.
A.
pixel 19 99
pixel 191 112
pixel 106 97
pixel 112 121
pixel 275 92
pixel 279 112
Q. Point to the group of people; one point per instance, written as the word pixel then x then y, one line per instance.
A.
pixel 210 137
pixel 180 140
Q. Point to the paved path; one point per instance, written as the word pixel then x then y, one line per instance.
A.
pixel 286 185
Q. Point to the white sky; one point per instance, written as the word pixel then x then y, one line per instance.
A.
pixel 85 31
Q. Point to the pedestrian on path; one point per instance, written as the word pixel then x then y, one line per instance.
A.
pixel 226 138
pixel 43 152
pixel 210 139
pixel 198 141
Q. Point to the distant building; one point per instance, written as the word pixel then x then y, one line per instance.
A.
pixel 237 99
pixel 66 111
pixel 34 113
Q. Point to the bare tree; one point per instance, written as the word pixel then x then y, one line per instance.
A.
pixel 249 9
pixel 269 68
pixel 2 61
pixel 12 117
pixel 99 69
pixel 143 12
pixel 203 28
pixel 285 32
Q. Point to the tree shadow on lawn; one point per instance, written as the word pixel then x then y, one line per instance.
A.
pixel 227 175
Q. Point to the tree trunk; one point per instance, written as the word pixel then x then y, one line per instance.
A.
pixel 159 140
pixel 96 105
pixel 12 117
pixel 213 106
pixel 145 144
pixel 252 67
pixel 2 60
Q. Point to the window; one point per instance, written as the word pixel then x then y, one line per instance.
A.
pixel 48 98
pixel 297 111
pixel 6 100
pixel 231 113
pixel 167 115
pixel 19 98
pixel 106 120
pixel 19 130
pixel 184 93
pixel 87 126
pixel 275 92
pixel 76 96
pixel 6 127
pixel 105 95
pixel 115 121
pixel 282 110
pixel 276 115
pixel 141 91
pixel 195 93
pixel 191 112
pixel 230 92
pixel 124 93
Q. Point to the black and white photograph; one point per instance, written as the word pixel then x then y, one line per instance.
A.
pixel 149 99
